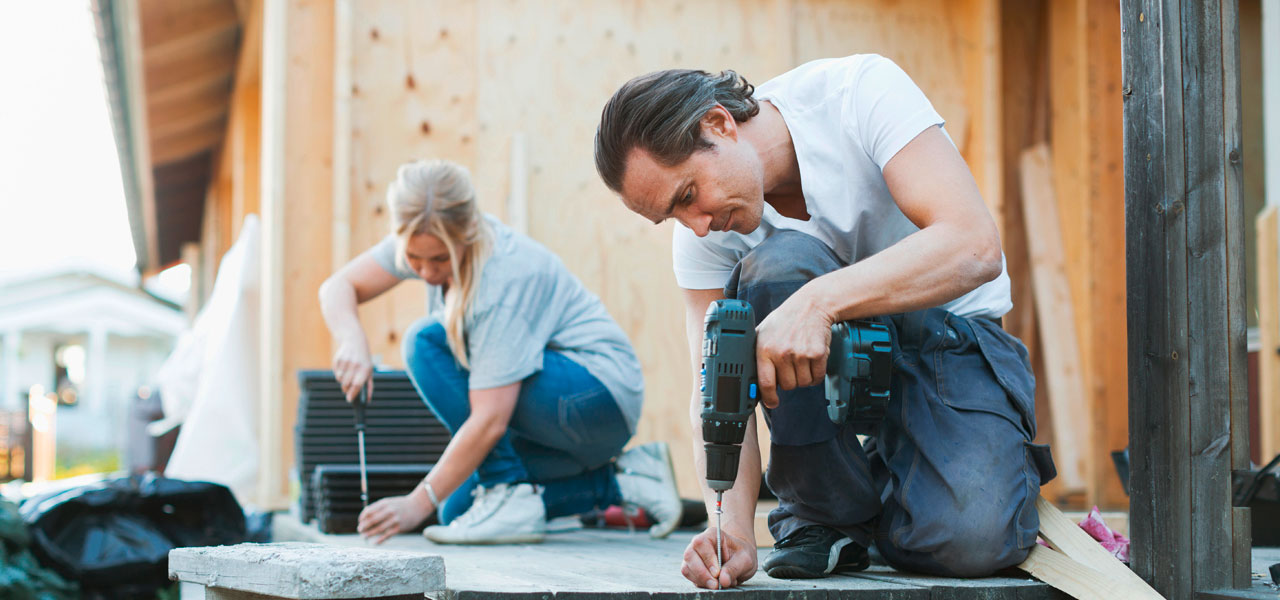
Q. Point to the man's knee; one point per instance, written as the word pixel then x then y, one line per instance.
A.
pixel 973 543
pixel 786 256
pixel 424 340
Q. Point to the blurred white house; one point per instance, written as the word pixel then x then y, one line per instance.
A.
pixel 90 336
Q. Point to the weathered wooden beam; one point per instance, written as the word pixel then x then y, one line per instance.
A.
pixel 1185 290
pixel 297 153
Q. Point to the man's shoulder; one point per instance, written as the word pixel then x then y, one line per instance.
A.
pixel 817 78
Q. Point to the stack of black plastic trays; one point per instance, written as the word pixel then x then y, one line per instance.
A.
pixel 336 491
pixel 400 430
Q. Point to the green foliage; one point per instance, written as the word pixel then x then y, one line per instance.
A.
pixel 173 592
pixel 73 462
pixel 21 577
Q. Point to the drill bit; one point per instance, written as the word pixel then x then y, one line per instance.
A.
pixel 719 552
pixel 364 478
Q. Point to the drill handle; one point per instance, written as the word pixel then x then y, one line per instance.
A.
pixel 359 405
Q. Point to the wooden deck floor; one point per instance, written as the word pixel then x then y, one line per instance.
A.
pixel 597 564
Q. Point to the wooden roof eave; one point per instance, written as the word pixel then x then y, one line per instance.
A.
pixel 119 41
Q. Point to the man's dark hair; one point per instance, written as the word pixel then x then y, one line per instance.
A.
pixel 661 113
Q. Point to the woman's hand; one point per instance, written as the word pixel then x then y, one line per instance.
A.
pixel 352 366
pixel 700 561
pixel 393 515
pixel 792 344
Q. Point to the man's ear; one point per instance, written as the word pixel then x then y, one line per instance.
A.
pixel 718 123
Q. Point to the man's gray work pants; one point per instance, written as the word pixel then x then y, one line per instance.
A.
pixel 947 485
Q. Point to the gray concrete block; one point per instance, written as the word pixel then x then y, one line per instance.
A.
pixel 308 571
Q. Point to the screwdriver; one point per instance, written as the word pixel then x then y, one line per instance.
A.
pixel 364 477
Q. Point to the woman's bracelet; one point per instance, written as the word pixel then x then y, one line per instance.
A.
pixel 431 495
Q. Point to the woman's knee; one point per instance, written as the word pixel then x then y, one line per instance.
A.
pixel 425 340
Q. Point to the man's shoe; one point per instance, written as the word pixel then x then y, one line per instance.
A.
pixel 502 514
pixel 647 480
pixel 814 551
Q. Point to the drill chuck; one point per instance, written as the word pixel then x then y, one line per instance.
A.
pixel 722 465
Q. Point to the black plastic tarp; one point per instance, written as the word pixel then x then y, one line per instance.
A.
pixel 114 537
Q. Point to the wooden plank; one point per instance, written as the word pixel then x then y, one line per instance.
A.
pixel 158 115
pixel 297 120
pixel 1106 375
pixel 1056 320
pixel 212 38
pixel 244 142
pixel 163 20
pixel 1067 537
pixel 1185 297
pixel 191 121
pixel 181 92
pixel 182 145
pixel 1155 249
pixel 977 26
pixel 1212 290
pixel 1074 578
pixel 165 75
pixel 342 250
pixel 1069 140
pixel 1235 363
pixel 1267 226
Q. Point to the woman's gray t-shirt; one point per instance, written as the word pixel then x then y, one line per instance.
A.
pixel 527 303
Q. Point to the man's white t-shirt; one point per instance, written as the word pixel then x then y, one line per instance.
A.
pixel 847 118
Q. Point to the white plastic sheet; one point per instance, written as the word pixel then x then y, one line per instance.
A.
pixel 209 384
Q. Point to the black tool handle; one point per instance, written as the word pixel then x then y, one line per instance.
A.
pixel 358 405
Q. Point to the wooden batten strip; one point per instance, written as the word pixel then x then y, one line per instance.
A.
pixel 1268 265
pixel 1068 403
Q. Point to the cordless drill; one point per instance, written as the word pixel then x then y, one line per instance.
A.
pixel 859 368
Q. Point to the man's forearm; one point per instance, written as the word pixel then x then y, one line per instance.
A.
pixel 928 268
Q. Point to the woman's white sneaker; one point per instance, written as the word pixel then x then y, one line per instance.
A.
pixel 501 514
pixel 648 480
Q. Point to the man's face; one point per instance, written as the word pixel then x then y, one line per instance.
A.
pixel 715 189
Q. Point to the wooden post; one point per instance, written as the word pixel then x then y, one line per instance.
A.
pixel 297 151
pixel 1186 320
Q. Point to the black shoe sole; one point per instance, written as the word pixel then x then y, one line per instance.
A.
pixel 795 572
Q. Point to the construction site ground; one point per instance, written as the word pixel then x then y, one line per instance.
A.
pixel 588 564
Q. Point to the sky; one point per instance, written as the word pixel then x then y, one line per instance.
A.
pixel 61 198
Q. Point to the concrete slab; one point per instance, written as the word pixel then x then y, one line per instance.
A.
pixel 308 571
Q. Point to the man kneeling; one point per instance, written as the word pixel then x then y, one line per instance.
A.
pixel 831 193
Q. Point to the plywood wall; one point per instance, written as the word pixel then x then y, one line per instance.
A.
pixel 462 80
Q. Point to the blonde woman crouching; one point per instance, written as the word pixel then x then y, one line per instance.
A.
pixel 538 385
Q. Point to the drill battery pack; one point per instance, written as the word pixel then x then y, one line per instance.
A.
pixel 859 371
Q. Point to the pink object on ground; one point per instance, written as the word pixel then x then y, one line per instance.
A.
pixel 1115 543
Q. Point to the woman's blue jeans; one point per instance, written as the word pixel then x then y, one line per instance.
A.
pixel 563 435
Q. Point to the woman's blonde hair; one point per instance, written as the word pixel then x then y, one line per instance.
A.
pixel 436 197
